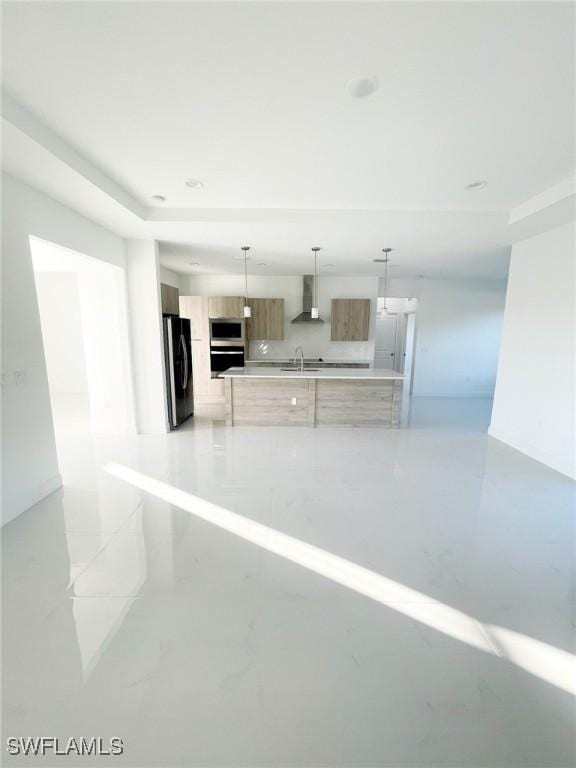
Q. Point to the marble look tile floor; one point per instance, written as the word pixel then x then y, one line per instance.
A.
pixel 126 616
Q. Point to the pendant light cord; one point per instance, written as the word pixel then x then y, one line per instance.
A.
pixel 315 276
pixel 315 252
pixel 386 251
pixel 386 285
pixel 245 248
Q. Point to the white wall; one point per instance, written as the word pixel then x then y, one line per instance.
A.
pixel 143 273
pixel 314 339
pixel 108 364
pixel 95 333
pixel 61 321
pixel 29 462
pixel 534 400
pixel 458 327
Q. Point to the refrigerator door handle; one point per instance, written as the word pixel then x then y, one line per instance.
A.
pixel 187 377
pixel 185 354
pixel 171 372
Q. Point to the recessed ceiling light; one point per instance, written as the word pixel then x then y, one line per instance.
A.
pixel 158 198
pixel 327 266
pixel 261 264
pixel 360 87
pixel 476 185
pixel 194 263
pixel 194 183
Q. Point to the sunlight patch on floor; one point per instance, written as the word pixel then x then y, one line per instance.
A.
pixel 551 664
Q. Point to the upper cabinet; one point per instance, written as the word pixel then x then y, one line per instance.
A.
pixel 350 319
pixel 267 321
pixel 169 296
pixel 226 306
pixel 195 308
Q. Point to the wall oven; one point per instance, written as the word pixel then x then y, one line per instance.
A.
pixel 226 344
pixel 224 355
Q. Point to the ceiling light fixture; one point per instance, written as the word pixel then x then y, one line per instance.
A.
pixel 158 198
pixel 261 264
pixel 314 313
pixel 476 185
pixel 247 310
pixel 361 87
pixel 193 263
pixel 386 251
pixel 194 183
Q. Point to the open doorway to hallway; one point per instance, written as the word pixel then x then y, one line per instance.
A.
pixel 395 335
pixel 81 303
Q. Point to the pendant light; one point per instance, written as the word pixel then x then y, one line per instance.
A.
pixel 314 313
pixel 247 310
pixel 386 252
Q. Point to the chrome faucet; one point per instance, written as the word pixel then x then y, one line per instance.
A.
pixel 301 358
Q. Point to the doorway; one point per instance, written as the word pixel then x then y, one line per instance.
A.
pixel 81 304
pixel 395 335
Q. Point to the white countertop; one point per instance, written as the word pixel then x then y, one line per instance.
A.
pixel 307 361
pixel 255 372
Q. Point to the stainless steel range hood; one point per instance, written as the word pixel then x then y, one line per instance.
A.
pixel 307 298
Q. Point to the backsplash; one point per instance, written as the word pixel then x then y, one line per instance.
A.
pixel 313 346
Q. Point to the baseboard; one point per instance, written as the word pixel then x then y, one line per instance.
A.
pixel 534 452
pixel 457 395
pixel 32 496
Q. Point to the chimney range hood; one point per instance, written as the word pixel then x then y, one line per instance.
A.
pixel 307 298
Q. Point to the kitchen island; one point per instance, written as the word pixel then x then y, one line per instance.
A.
pixel 329 397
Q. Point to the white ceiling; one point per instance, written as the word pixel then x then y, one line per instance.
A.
pixel 251 99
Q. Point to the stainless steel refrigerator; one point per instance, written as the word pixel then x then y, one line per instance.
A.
pixel 178 360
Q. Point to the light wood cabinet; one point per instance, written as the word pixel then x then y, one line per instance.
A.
pixel 350 320
pixel 322 402
pixel 226 306
pixel 267 321
pixel 195 308
pixel 359 319
pixel 169 297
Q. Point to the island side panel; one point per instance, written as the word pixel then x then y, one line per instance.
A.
pixel 312 402
pixel 264 402
pixel 354 403
pixel 397 402
pixel 228 402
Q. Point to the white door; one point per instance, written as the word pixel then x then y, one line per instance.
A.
pixel 385 336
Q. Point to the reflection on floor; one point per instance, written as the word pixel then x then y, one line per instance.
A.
pixel 124 616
